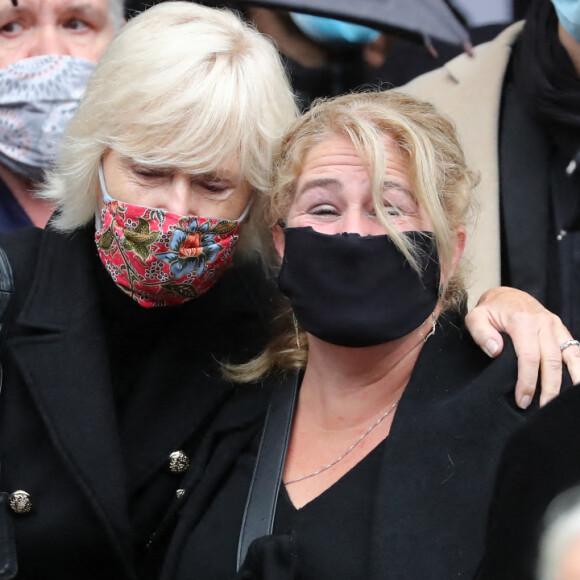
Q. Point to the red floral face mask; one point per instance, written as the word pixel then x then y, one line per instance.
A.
pixel 160 258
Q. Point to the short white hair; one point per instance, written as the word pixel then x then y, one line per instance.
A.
pixel 561 531
pixel 182 86
pixel 117 13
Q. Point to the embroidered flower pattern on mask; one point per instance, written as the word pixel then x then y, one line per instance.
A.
pixel 140 239
pixel 159 258
pixel 193 247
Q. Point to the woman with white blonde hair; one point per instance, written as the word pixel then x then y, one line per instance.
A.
pixel 160 189
pixel 377 456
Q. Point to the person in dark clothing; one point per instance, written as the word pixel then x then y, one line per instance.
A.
pixel 126 302
pixel 516 108
pixel 399 420
pixel 540 462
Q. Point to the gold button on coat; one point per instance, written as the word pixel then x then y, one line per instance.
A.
pixel 178 462
pixel 20 502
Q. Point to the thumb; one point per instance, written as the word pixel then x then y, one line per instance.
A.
pixel 480 326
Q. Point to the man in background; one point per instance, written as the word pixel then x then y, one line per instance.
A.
pixel 515 104
pixel 47 51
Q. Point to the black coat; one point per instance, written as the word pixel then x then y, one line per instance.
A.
pixel 99 488
pixel 437 471
pixel 540 461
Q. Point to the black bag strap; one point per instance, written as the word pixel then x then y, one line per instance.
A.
pixel 8 560
pixel 260 508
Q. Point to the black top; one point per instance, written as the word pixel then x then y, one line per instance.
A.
pixel 325 547
pixel 310 543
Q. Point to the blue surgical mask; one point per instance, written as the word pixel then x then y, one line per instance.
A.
pixel 330 31
pixel 568 12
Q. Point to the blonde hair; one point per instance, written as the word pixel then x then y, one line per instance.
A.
pixel 183 86
pixel 438 172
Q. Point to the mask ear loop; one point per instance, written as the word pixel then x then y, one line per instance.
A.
pixel 106 197
pixel 246 210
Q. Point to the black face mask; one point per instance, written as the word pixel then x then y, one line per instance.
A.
pixel 358 291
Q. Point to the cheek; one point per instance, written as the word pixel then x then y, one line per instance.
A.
pixel 234 206
pixel 95 50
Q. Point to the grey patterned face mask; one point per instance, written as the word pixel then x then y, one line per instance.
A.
pixel 38 97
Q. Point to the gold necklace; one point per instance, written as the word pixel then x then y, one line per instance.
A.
pixel 333 463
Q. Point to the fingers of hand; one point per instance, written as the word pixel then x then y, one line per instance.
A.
pixel 538 350
pixel 481 327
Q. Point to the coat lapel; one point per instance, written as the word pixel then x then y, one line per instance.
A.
pixel 58 344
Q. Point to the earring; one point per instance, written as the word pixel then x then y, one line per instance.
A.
pixel 296 331
pixel 432 332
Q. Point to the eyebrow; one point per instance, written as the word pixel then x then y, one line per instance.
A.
pixel 89 10
pixel 321 182
pixel 388 184
pixel 333 182
pixel 212 177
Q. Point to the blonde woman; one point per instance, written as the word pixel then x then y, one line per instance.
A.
pixel 399 419
pixel 147 275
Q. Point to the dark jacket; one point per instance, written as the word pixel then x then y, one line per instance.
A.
pixel 540 461
pixel 100 487
pixel 437 469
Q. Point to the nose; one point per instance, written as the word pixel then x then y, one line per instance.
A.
pixel 356 221
pixel 180 198
pixel 47 40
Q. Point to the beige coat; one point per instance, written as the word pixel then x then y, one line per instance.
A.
pixel 469 91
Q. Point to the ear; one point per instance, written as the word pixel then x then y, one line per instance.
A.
pixel 279 239
pixel 458 248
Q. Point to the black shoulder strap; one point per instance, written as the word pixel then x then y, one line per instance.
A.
pixel 8 560
pixel 263 494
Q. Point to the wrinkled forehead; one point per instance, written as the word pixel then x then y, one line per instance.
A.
pixel 368 148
